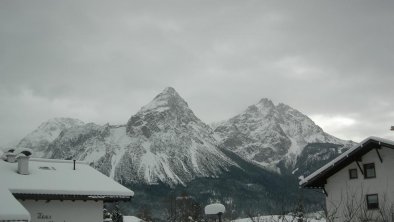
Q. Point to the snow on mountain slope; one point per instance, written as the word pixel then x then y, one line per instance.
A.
pixel 163 142
pixel 39 139
pixel 173 142
pixel 267 133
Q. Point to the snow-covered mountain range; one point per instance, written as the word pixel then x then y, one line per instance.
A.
pixel 165 142
pixel 47 132
pixel 266 134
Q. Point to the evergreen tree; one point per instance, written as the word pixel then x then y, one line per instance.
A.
pixel 106 214
pixel 116 215
pixel 300 209
pixel 145 214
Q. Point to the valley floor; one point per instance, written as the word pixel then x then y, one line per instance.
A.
pixel 279 218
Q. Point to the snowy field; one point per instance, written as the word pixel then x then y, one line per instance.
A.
pixel 280 218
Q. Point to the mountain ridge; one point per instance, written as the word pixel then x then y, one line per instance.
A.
pixel 267 134
pixel 40 138
pixel 166 142
pixel 163 142
pixel 165 148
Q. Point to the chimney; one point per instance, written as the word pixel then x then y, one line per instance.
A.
pixel 23 164
pixel 23 161
pixel 11 157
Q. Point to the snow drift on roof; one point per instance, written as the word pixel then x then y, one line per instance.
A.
pixel 214 209
pixel 61 179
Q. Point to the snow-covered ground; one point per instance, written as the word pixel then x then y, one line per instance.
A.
pixel 316 217
pixel 131 219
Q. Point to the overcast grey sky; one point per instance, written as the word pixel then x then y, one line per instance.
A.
pixel 101 61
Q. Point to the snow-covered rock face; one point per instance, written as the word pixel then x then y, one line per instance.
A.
pixel 166 142
pixel 40 138
pixel 163 142
pixel 267 133
pixel 167 111
pixel 169 143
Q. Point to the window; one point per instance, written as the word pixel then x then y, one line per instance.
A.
pixel 353 173
pixel 46 168
pixel 369 170
pixel 372 201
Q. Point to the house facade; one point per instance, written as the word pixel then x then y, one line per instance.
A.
pixel 359 184
pixel 42 190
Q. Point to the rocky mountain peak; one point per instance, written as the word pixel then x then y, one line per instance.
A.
pixel 165 141
pixel 60 122
pixel 167 111
pixel 267 133
pixel 265 102
pixel 262 108
pixel 283 106
pixel 46 133
pixel 170 90
pixel 168 99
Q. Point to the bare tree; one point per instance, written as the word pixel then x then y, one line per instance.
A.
pixel 330 216
pixel 386 212
pixel 183 208
pixel 353 207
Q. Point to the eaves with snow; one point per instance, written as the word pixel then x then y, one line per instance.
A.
pixel 318 178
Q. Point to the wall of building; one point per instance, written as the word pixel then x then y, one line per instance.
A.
pixel 64 211
pixel 347 197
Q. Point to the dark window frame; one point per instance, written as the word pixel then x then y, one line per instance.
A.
pixel 366 172
pixel 372 206
pixel 350 173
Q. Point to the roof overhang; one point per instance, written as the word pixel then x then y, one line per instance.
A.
pixel 61 197
pixel 11 209
pixel 318 179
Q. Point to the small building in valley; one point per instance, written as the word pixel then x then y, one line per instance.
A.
pixel 359 184
pixel 131 219
pixel 43 190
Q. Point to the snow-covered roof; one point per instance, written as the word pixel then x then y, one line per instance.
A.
pixel 131 219
pixel 54 178
pixel 335 165
pixel 10 208
pixel 58 177
pixel 214 209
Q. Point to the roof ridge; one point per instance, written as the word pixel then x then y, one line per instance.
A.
pixel 57 161
pixel 305 180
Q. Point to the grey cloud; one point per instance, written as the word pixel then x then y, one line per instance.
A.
pixel 101 61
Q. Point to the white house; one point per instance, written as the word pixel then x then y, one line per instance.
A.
pixel 42 190
pixel 359 184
